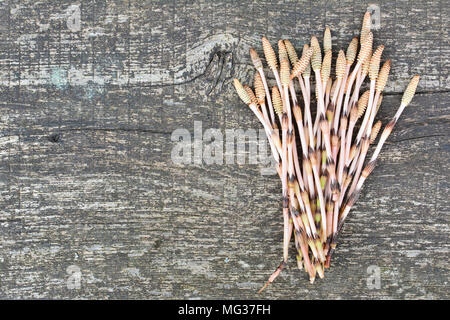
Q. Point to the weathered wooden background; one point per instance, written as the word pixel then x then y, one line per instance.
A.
pixel 90 93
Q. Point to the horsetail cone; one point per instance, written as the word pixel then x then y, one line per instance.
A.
pixel 251 95
pixel 307 71
pixel 326 66
pixel 351 51
pixel 269 53
pixel 259 88
pixel 242 93
pixel 362 103
pixel 406 99
pixel 340 65
pixel 383 76
pixel 276 101
pixel 256 60
pixel 282 52
pixel 410 90
pixel 291 52
pixel 327 40
pixel 316 92
pixel 375 63
pixel 285 73
pixel 316 59
pixel 374 133
pixel 329 85
pixel 302 63
pixel 366 48
pixel 366 20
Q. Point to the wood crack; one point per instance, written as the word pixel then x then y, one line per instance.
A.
pixel 135 130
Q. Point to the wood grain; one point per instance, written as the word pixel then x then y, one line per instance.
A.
pixel 87 180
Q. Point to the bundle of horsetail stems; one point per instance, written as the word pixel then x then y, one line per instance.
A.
pixel 322 175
